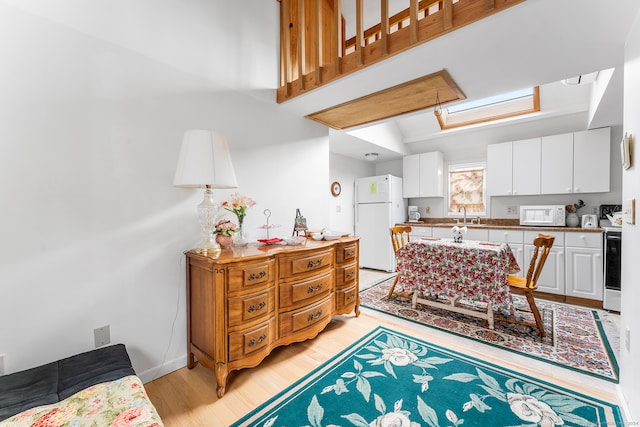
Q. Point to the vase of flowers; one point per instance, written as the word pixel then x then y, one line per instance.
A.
pixel 238 205
pixel 224 232
pixel 572 213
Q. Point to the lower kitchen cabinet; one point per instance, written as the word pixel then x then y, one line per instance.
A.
pixel 552 277
pixel 584 265
pixel 418 232
pixel 472 233
pixel 515 239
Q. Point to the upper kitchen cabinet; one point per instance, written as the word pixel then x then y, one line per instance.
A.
pixel 423 175
pixel 513 168
pixel 576 162
pixel 591 161
pixel 557 164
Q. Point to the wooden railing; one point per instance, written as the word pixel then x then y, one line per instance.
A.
pixel 314 52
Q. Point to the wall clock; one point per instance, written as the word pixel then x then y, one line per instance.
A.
pixel 336 188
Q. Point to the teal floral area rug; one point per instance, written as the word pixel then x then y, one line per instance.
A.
pixel 575 336
pixel 391 379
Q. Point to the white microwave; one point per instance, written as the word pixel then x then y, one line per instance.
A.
pixel 543 215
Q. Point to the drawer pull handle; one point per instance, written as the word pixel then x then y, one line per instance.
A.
pixel 350 253
pixel 350 274
pixel 260 275
pixel 260 306
pixel 350 296
pixel 314 316
pixel 312 288
pixel 254 341
pixel 313 264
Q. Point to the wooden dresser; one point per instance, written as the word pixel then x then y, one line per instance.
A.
pixel 244 302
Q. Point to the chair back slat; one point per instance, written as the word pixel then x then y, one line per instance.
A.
pixel 399 236
pixel 543 244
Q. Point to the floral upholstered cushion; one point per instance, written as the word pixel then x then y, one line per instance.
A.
pixel 120 403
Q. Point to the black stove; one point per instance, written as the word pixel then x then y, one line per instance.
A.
pixel 612 248
pixel 604 222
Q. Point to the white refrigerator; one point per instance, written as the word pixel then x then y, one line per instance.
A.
pixel 378 206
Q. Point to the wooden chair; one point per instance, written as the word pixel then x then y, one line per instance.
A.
pixel 527 285
pixel 399 238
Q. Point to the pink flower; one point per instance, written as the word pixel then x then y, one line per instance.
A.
pixel 132 417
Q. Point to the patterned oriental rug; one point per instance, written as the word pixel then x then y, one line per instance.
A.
pixel 391 379
pixel 575 336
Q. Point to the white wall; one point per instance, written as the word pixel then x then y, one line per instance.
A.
pixel 345 170
pixel 630 318
pixel 93 112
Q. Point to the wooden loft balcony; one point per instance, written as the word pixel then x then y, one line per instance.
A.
pixel 314 50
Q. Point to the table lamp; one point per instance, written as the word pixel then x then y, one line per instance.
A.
pixel 205 162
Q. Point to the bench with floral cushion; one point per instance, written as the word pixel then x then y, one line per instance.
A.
pixel 98 387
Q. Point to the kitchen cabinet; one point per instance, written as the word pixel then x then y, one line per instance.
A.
pixel 591 161
pixel 515 239
pixel 576 162
pixel 552 278
pixel 557 164
pixel 513 168
pixel 423 175
pixel 584 265
pixel 418 232
pixel 471 234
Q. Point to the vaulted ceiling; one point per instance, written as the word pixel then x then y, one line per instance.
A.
pixel 538 42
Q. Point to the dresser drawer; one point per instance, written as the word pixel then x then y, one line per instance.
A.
pixel 346 297
pixel 346 253
pixel 308 262
pixel 297 320
pixel 250 307
pixel 292 293
pixel 250 342
pixel 346 275
pixel 246 276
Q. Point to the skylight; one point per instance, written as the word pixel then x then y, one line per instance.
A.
pixel 497 107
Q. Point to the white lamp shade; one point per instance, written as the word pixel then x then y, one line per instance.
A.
pixel 204 161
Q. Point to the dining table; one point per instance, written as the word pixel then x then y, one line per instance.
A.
pixel 443 274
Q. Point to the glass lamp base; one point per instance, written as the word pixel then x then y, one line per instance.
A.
pixel 208 245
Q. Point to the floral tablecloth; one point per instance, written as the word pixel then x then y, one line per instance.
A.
pixel 471 271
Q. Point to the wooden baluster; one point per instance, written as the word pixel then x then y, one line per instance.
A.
pixel 301 44
pixel 339 33
pixel 319 42
pixel 359 32
pixel 285 31
pixel 384 26
pixel 413 21
pixel 447 14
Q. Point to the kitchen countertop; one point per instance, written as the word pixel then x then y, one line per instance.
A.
pixel 490 223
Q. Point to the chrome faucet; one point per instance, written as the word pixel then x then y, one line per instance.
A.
pixel 465 214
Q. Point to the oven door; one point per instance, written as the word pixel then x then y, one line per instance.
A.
pixel 612 259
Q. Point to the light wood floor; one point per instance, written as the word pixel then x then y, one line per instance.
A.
pixel 187 397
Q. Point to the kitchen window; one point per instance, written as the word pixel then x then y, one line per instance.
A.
pixel 466 188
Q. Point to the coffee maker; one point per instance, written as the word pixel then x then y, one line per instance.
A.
pixel 414 215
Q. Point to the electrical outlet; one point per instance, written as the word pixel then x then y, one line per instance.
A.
pixel 427 210
pixel 512 210
pixel 102 336
pixel 594 210
pixel 627 338
pixel 2 369
pixel 338 208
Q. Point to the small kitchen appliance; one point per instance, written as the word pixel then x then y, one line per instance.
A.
pixel 414 215
pixel 590 221
pixel 543 215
